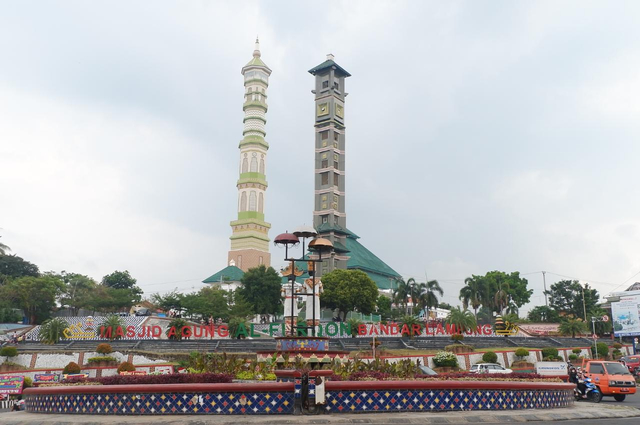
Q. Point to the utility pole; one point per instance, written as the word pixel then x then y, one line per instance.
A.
pixel 544 282
pixel 584 306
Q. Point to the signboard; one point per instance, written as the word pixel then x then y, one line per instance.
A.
pixel 46 377
pixel 11 384
pixel 551 368
pixel 133 372
pixel 626 316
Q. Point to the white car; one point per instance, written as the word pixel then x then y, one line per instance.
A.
pixel 489 368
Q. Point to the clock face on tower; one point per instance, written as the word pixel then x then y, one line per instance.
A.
pixel 323 109
pixel 339 110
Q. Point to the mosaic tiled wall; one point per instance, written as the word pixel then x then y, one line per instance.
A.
pixel 440 400
pixel 250 403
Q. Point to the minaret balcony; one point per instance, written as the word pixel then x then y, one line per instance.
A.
pixel 254 104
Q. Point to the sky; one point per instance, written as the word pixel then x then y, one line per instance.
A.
pixel 481 135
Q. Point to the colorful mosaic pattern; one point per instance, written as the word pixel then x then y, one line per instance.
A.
pixel 159 403
pixel 439 400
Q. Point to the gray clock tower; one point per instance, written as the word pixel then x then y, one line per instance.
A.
pixel 329 217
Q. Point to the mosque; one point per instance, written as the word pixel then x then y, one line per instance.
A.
pixel 250 232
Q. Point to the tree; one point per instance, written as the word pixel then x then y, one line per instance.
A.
pixel 78 291
pixel 566 297
pixel 463 319
pixel 572 327
pixel 384 306
pixel 261 288
pixel 36 296
pixel 12 266
pixel 52 331
pixel 109 300
pixel 3 248
pixel 348 290
pixel 444 306
pixel 428 298
pixel 472 293
pixel 543 314
pixel 401 293
pixel 208 302
pixel 120 280
pixel 169 301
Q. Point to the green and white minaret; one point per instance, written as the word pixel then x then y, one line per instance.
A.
pixel 250 238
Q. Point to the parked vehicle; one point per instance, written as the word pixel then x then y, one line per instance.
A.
pixel 632 363
pixel 611 378
pixel 489 368
pixel 426 370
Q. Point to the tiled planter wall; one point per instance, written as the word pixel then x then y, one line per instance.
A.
pixel 176 399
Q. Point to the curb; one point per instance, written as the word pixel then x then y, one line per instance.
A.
pixel 576 412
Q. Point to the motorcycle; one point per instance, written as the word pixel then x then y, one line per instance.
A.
pixel 591 392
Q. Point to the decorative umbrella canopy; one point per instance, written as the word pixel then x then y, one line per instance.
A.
pixel 286 239
pixel 320 245
pixel 305 232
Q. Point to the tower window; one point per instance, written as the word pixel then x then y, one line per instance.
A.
pixel 336 85
pixel 325 178
pixel 324 135
pixel 260 260
pixel 254 162
pixel 336 136
pixel 239 261
pixel 336 179
pixel 252 200
pixel 325 218
pixel 325 163
pixel 325 84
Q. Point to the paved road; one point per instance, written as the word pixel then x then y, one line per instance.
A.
pixel 578 414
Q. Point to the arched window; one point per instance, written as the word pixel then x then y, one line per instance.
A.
pixel 252 200
pixel 245 164
pixel 262 165
pixel 260 202
pixel 254 162
pixel 243 201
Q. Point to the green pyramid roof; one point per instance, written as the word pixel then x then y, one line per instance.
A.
pixel 328 64
pixel 229 273
pixel 363 259
pixel 327 227
pixel 256 61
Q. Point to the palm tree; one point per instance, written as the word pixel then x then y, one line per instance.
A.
pixel 463 319
pixel 472 293
pixel 51 331
pixel 572 327
pixel 428 297
pixel 401 293
pixel 3 248
pixel 501 298
pixel 512 308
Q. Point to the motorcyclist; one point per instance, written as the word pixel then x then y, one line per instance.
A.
pixel 576 378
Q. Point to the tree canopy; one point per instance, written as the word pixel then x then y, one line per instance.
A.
pixel 36 296
pixel 261 288
pixel 566 298
pixel 12 266
pixel 496 291
pixel 349 290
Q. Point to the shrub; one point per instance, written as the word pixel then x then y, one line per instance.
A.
pixel 457 337
pixel 99 359
pixel 550 353
pixel 573 357
pixel 577 351
pixel 617 345
pixel 104 348
pixel 445 359
pixel 522 352
pixel 126 367
pixel 72 367
pixel 28 382
pixel 616 354
pixel 175 378
pixel 8 352
pixel 603 349
pixel 490 357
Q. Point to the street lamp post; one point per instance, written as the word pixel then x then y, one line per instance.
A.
pixel 317 245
